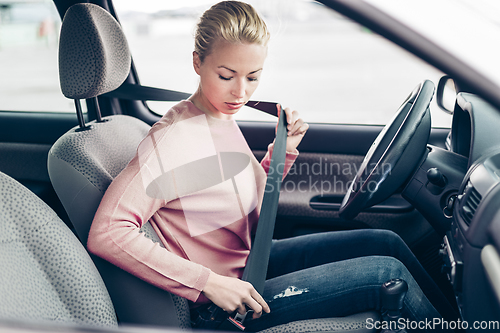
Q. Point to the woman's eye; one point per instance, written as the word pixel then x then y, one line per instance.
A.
pixel 252 79
pixel 224 78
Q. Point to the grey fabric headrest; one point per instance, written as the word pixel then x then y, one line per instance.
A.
pixel 94 57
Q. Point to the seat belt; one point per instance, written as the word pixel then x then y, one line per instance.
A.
pixel 256 268
pixel 137 92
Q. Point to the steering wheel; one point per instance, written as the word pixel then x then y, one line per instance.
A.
pixel 394 154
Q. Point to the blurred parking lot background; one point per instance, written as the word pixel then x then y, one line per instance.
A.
pixel 320 63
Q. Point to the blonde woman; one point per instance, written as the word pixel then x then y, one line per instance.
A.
pixel 195 179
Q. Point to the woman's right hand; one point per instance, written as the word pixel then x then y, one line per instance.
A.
pixel 232 294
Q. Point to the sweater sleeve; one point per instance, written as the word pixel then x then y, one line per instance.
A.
pixel 115 237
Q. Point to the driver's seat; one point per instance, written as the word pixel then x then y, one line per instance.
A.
pixel 94 59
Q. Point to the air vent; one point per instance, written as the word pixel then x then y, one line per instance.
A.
pixel 472 199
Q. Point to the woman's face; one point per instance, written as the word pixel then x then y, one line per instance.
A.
pixel 228 76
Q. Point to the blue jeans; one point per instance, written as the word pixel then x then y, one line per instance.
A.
pixel 340 273
pixel 318 249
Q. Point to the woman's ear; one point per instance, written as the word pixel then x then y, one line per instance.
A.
pixel 196 62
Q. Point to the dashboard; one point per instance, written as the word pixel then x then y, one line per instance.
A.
pixel 471 245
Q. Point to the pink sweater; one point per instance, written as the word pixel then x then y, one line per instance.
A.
pixel 196 181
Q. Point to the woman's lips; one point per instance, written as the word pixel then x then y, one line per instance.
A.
pixel 234 106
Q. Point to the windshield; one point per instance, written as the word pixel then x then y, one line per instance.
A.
pixel 467 29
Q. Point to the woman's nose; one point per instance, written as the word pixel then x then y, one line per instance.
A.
pixel 239 89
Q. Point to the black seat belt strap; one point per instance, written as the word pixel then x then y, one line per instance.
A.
pixel 137 92
pixel 256 268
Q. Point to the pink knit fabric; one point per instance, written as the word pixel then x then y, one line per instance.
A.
pixel 197 182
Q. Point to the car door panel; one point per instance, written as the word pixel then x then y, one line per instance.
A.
pixel 328 161
pixel 34 127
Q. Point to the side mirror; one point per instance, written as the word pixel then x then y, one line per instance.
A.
pixel 446 94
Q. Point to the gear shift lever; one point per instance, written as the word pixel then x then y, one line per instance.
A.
pixel 392 295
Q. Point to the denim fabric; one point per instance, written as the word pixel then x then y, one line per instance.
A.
pixel 340 273
pixel 338 289
pixel 293 254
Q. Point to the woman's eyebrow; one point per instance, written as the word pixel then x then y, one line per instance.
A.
pixel 232 70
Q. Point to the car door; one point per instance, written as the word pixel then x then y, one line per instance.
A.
pixel 345 81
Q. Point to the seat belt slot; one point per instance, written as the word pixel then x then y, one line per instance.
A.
pixel 239 319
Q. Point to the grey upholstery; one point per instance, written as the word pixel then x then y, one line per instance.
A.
pixel 94 57
pixel 352 324
pixel 81 166
pixel 82 163
pixel 46 273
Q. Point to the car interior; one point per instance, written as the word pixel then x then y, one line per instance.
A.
pixel 439 192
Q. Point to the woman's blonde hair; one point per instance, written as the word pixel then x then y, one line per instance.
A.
pixel 233 21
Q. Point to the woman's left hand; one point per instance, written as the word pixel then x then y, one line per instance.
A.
pixel 297 128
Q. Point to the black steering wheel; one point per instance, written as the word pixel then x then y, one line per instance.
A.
pixel 394 154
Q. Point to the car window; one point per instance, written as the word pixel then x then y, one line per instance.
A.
pixel 329 68
pixel 29 79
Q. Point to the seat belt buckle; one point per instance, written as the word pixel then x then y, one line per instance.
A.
pixel 239 319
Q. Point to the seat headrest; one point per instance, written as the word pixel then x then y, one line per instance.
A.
pixel 94 57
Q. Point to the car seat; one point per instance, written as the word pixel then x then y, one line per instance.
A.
pixel 46 273
pixel 94 59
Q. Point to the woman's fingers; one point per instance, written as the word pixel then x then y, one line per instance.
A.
pixel 291 116
pixel 232 294
pixel 256 307
pixel 296 129
pixel 260 304
pixel 255 301
pixel 299 127
pixel 259 299
pixel 296 125
pixel 242 309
